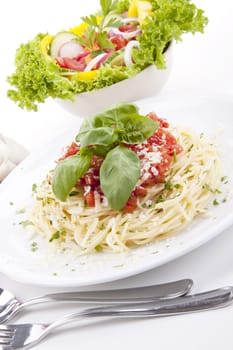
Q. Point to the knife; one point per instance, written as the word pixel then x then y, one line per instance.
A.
pixel 122 296
pixel 9 305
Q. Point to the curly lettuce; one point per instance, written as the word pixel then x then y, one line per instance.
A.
pixel 121 6
pixel 36 77
pixel 169 21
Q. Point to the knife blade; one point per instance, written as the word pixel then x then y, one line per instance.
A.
pixel 128 295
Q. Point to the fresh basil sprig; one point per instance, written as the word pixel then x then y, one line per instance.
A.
pixel 104 135
pixel 108 117
pixel 116 125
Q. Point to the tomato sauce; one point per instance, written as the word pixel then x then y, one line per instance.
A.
pixel 156 155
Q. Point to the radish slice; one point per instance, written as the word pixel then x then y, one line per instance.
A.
pixel 94 61
pixel 82 55
pixel 70 49
pixel 126 35
pixel 60 39
pixel 128 52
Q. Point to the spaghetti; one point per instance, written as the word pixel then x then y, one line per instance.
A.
pixel 165 208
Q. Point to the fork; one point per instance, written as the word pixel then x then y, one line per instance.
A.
pixel 16 336
pixel 10 305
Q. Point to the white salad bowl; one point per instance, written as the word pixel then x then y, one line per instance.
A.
pixel 147 83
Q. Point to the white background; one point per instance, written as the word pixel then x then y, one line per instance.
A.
pixel 201 62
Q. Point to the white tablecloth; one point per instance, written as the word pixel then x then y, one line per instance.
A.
pixel 201 62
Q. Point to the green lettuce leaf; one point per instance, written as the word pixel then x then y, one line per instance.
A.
pixel 169 21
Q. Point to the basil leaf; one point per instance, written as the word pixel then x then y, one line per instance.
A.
pixel 101 151
pixel 108 118
pixel 68 172
pixel 103 136
pixel 135 128
pixel 112 116
pixel 119 174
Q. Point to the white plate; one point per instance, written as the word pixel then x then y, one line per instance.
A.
pixel 206 114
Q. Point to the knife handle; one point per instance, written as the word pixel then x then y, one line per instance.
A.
pixel 185 304
pixel 212 299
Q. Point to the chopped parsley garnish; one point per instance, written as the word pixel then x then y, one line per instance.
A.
pixel 160 199
pixel 187 171
pixel 57 235
pixel 215 202
pixel 177 186
pixel 34 246
pixel 207 187
pixel 21 211
pixel 174 156
pixel 168 185
pixel 34 188
pixel 190 148
pixel 224 179
pixel 98 248
pixel 26 223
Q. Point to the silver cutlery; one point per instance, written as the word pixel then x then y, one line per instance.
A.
pixel 10 305
pixel 16 336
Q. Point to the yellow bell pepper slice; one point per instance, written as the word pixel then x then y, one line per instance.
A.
pixel 78 30
pixel 86 75
pixel 132 11
pixel 140 9
pixel 44 45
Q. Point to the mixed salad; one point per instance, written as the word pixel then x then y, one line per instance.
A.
pixel 122 39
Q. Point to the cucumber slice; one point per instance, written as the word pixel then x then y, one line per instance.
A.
pixel 116 59
pixel 59 40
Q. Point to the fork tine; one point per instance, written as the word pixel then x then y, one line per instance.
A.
pixel 5 342
pixel 6 336
pixel 7 329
